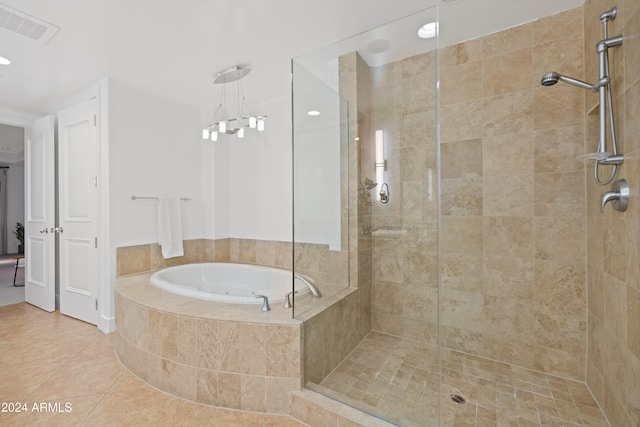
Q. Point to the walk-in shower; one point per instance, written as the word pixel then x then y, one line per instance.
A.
pixel 460 301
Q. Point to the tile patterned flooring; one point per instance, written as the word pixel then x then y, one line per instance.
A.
pixel 385 373
pixel 56 360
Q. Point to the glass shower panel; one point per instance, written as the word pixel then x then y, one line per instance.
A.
pixel 365 220
pixel 319 189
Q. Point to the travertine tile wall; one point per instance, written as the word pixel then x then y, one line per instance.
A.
pixel 246 366
pixel 328 268
pixel 143 258
pixel 404 261
pixel 148 257
pixel 513 197
pixel 333 333
pixel 613 366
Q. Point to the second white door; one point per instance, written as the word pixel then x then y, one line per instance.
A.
pixel 40 248
pixel 78 213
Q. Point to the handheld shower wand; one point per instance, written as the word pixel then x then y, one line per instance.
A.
pixel 551 78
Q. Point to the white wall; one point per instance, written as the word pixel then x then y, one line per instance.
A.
pixel 247 182
pixel 154 150
pixel 317 187
pixel 260 176
pixel 215 183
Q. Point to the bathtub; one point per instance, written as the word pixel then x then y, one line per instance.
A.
pixel 227 282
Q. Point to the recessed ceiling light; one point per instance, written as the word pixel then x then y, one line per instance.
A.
pixel 428 31
pixel 4 61
pixel 313 113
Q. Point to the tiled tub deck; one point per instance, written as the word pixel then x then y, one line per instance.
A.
pixel 227 355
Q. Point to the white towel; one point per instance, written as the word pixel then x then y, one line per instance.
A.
pixel 170 227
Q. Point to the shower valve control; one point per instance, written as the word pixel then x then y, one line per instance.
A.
pixel 618 196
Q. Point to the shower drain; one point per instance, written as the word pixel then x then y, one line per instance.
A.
pixel 457 398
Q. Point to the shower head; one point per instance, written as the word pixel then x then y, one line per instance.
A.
pixel 551 78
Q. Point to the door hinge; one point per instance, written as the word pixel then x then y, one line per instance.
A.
pixel 95 120
pixel 95 181
pixel 96 303
pixel 95 241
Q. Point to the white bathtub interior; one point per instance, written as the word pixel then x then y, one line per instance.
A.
pixel 228 282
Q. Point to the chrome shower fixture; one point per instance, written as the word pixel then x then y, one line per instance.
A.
pixel 609 15
pixel 618 196
pixel 551 78
pixel 384 193
pixel 603 87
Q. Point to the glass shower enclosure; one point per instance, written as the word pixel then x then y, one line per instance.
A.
pixel 365 220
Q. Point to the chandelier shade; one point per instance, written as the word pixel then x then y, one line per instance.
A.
pixel 222 121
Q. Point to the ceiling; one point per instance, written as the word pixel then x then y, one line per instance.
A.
pixel 175 48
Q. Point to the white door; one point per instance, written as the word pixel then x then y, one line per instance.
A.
pixel 40 245
pixel 78 210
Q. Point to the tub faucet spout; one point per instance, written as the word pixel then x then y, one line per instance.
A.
pixel 315 292
pixel 265 302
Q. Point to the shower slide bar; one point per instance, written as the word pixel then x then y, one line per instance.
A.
pixel 603 87
pixel 186 199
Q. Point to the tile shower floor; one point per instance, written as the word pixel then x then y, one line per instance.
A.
pixel 71 368
pixel 398 380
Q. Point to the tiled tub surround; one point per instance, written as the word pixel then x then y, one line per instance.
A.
pixel 148 257
pixel 226 355
pixel 161 359
pixel 327 268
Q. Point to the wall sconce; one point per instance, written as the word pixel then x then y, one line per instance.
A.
pixel 381 166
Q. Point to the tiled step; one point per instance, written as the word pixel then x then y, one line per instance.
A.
pixel 320 411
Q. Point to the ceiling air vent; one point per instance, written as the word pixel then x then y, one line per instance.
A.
pixel 19 22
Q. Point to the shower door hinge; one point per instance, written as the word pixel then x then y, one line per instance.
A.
pixel 96 303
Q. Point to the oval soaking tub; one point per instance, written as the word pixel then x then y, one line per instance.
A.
pixel 227 282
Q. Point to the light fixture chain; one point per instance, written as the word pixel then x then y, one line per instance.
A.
pixel 244 100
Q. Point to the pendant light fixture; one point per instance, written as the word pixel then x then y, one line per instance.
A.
pixel 222 122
